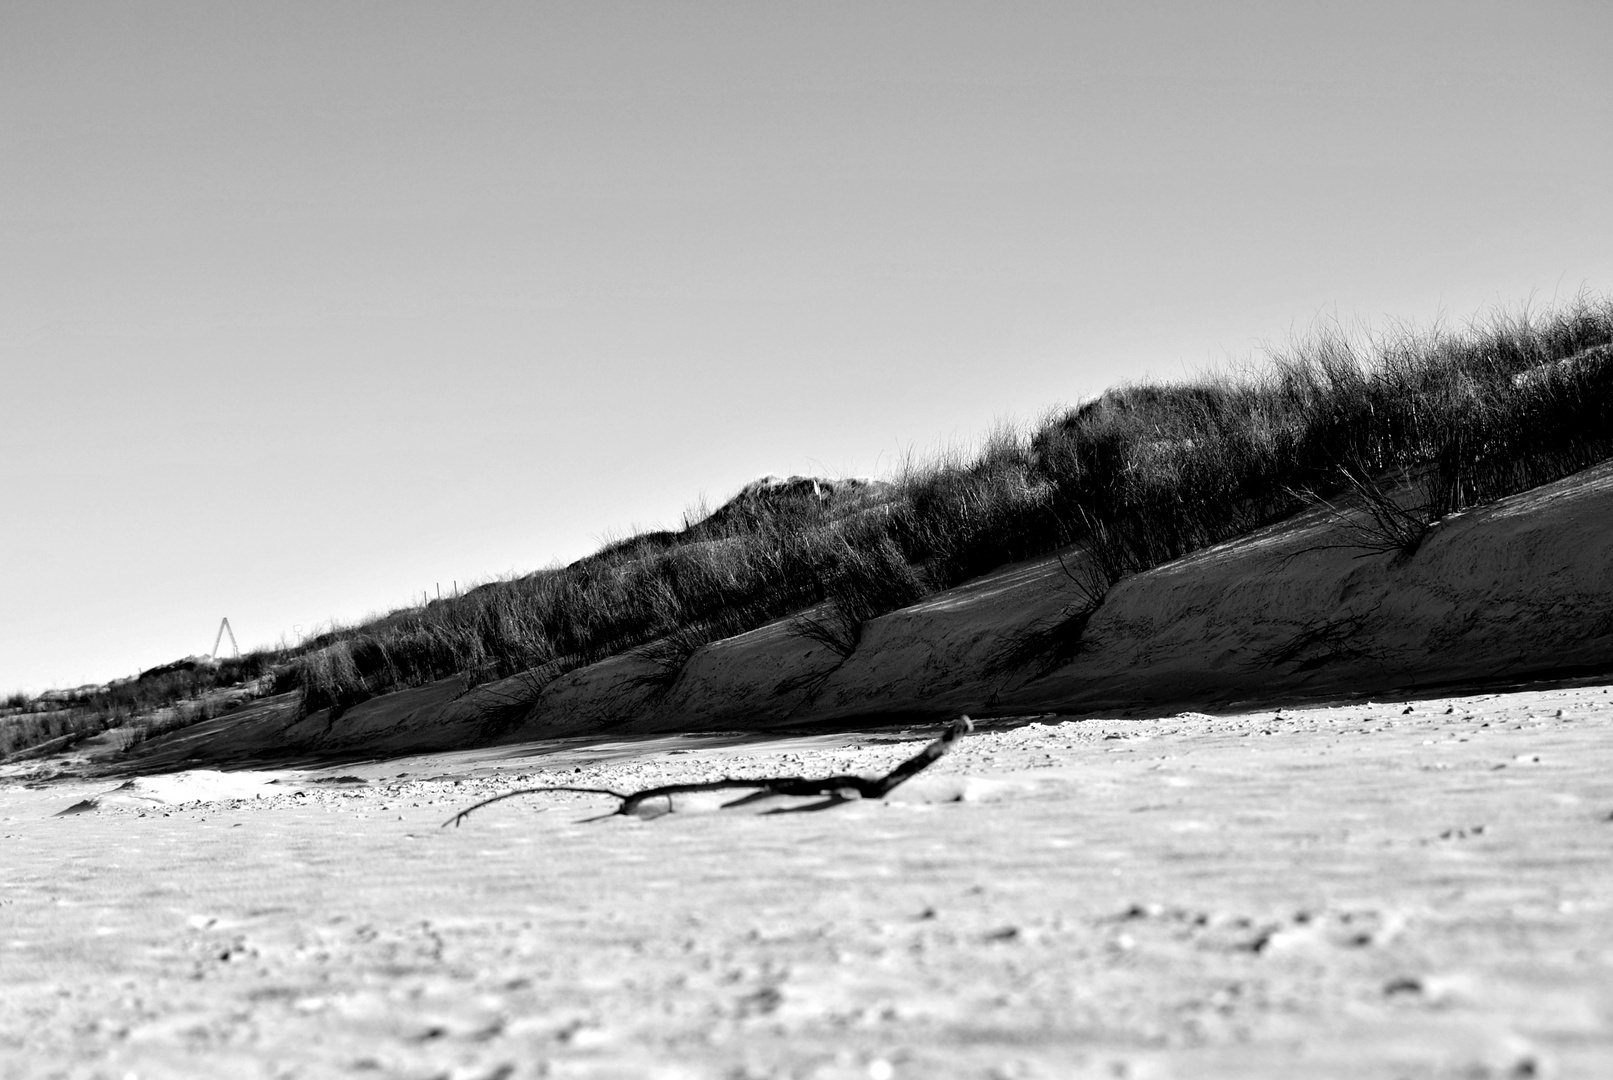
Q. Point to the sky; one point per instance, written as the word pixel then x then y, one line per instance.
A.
pixel 306 308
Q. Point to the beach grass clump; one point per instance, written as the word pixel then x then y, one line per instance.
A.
pixel 869 576
pixel 665 600
pixel 1147 473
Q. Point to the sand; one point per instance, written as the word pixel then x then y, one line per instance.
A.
pixel 1389 889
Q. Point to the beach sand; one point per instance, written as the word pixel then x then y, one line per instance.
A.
pixel 1373 889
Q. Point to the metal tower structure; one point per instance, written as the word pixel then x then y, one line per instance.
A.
pixel 224 628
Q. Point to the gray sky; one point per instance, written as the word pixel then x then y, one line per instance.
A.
pixel 305 307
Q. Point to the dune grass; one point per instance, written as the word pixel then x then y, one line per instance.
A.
pixel 759 558
pixel 1141 475
pixel 176 691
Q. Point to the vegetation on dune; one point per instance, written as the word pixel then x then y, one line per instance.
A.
pixel 161 699
pixel 1140 476
pixel 765 555
pixel 1412 425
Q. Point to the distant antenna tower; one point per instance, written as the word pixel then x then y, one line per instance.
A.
pixel 224 628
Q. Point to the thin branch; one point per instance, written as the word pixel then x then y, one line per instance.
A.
pixel 834 787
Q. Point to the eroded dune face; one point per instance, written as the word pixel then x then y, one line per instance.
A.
pixel 1515 590
pixel 1380 889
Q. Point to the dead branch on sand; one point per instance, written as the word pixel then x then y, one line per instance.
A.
pixel 835 788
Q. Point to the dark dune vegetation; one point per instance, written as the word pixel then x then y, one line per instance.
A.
pixel 1422 424
pixel 180 691
pixel 1419 424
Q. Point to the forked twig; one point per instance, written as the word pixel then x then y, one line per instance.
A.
pixel 835 787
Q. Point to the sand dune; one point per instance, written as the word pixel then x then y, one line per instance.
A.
pixel 1514 591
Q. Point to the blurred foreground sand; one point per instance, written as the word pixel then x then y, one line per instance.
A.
pixel 1358 891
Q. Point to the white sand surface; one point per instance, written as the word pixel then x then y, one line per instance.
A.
pixel 1351 891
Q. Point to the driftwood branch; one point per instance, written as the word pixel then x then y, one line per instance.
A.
pixel 838 788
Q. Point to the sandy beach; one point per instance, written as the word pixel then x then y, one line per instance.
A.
pixel 1372 889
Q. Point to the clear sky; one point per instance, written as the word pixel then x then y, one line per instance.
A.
pixel 306 307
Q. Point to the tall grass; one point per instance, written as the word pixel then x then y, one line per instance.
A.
pixel 765 555
pixel 1147 473
pixel 1141 475
pixel 865 579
